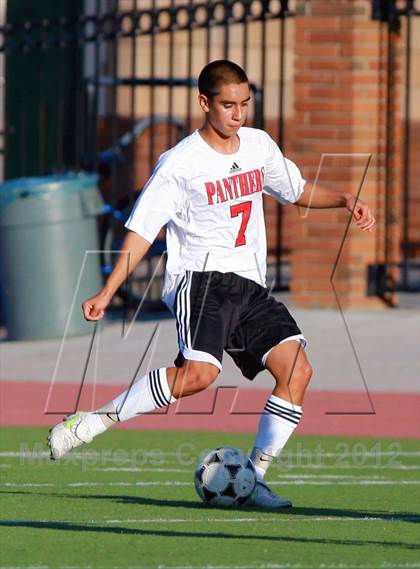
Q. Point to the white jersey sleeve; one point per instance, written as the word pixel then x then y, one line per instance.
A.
pixel 282 178
pixel 157 204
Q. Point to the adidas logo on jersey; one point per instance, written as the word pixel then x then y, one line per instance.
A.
pixel 234 168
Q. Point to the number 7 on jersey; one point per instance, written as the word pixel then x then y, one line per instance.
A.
pixel 243 208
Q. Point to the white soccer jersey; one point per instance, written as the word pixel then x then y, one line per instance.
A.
pixel 213 207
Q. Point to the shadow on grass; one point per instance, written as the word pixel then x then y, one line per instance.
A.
pixel 196 505
pixel 94 528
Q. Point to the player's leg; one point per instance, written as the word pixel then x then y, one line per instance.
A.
pixel 290 367
pixel 292 372
pixel 159 388
pixel 282 412
pixel 266 329
pixel 200 337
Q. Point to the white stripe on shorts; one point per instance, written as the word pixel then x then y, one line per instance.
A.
pixel 183 312
pixel 181 308
pixel 199 356
pixel 298 337
pixel 188 310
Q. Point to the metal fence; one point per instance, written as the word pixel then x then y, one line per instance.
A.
pixel 400 18
pixel 107 85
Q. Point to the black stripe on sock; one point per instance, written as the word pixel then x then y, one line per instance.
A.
pixel 286 417
pixel 160 388
pixel 281 409
pixel 282 414
pixel 159 396
pixel 294 421
pixel 155 395
pixel 152 391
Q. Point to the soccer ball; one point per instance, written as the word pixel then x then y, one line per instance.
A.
pixel 225 477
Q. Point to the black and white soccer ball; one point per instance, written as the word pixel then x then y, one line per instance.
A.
pixel 225 477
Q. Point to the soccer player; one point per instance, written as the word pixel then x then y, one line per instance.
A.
pixel 208 191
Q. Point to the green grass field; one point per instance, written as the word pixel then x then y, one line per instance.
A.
pixel 128 500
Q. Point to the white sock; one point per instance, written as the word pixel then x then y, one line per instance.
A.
pixel 278 421
pixel 149 393
pixel 97 424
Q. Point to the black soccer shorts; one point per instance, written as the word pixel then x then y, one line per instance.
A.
pixel 218 312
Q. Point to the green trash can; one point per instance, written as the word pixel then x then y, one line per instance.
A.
pixel 47 228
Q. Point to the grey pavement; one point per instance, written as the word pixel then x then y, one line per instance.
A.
pixel 382 352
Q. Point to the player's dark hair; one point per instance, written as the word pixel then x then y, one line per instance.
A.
pixel 219 72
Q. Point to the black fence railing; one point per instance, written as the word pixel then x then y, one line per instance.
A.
pixel 177 16
pixel 399 16
pixel 107 85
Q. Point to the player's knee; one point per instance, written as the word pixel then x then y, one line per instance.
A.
pixel 296 379
pixel 203 379
pixel 302 373
pixel 198 378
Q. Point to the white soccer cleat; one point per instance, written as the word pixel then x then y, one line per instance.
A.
pixel 263 497
pixel 69 434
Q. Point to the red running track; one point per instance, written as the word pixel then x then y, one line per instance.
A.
pixel 395 415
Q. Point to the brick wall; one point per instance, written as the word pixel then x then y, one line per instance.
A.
pixel 340 103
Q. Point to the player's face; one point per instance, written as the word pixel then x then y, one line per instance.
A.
pixel 226 112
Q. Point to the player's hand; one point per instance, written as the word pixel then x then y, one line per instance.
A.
pixel 94 307
pixel 362 214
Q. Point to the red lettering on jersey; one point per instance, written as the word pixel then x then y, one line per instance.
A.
pixel 235 186
pixel 228 187
pixel 211 190
pixel 251 182
pixel 220 195
pixel 258 179
pixel 234 180
pixel 243 184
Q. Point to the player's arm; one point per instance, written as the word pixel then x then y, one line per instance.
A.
pixel 155 206
pixel 133 249
pixel 318 197
pixel 284 182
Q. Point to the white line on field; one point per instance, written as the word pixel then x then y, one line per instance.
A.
pixel 107 453
pixel 275 466
pixel 188 471
pixel 275 520
pixel 279 519
pixel 344 482
pixel 135 469
pixel 281 464
pixel 348 453
pixel 328 476
pixel 177 483
pixel 385 565
pixel 80 484
pixel 345 466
